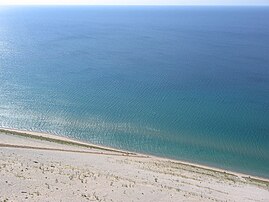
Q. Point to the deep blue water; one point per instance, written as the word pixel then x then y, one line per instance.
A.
pixel 188 83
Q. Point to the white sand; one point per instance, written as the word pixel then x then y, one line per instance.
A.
pixel 39 170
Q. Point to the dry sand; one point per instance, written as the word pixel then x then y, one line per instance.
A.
pixel 42 167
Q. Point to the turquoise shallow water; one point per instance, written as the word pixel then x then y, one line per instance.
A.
pixel 188 83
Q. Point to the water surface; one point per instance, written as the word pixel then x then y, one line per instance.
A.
pixel 188 83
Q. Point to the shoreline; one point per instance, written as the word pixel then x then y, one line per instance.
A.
pixel 70 141
pixel 45 167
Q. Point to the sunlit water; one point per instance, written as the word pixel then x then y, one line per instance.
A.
pixel 186 83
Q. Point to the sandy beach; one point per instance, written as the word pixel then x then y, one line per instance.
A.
pixel 43 167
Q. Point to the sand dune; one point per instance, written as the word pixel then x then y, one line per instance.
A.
pixel 42 167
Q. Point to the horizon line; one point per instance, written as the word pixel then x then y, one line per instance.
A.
pixel 229 5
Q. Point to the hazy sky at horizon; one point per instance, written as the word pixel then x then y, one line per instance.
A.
pixel 135 2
